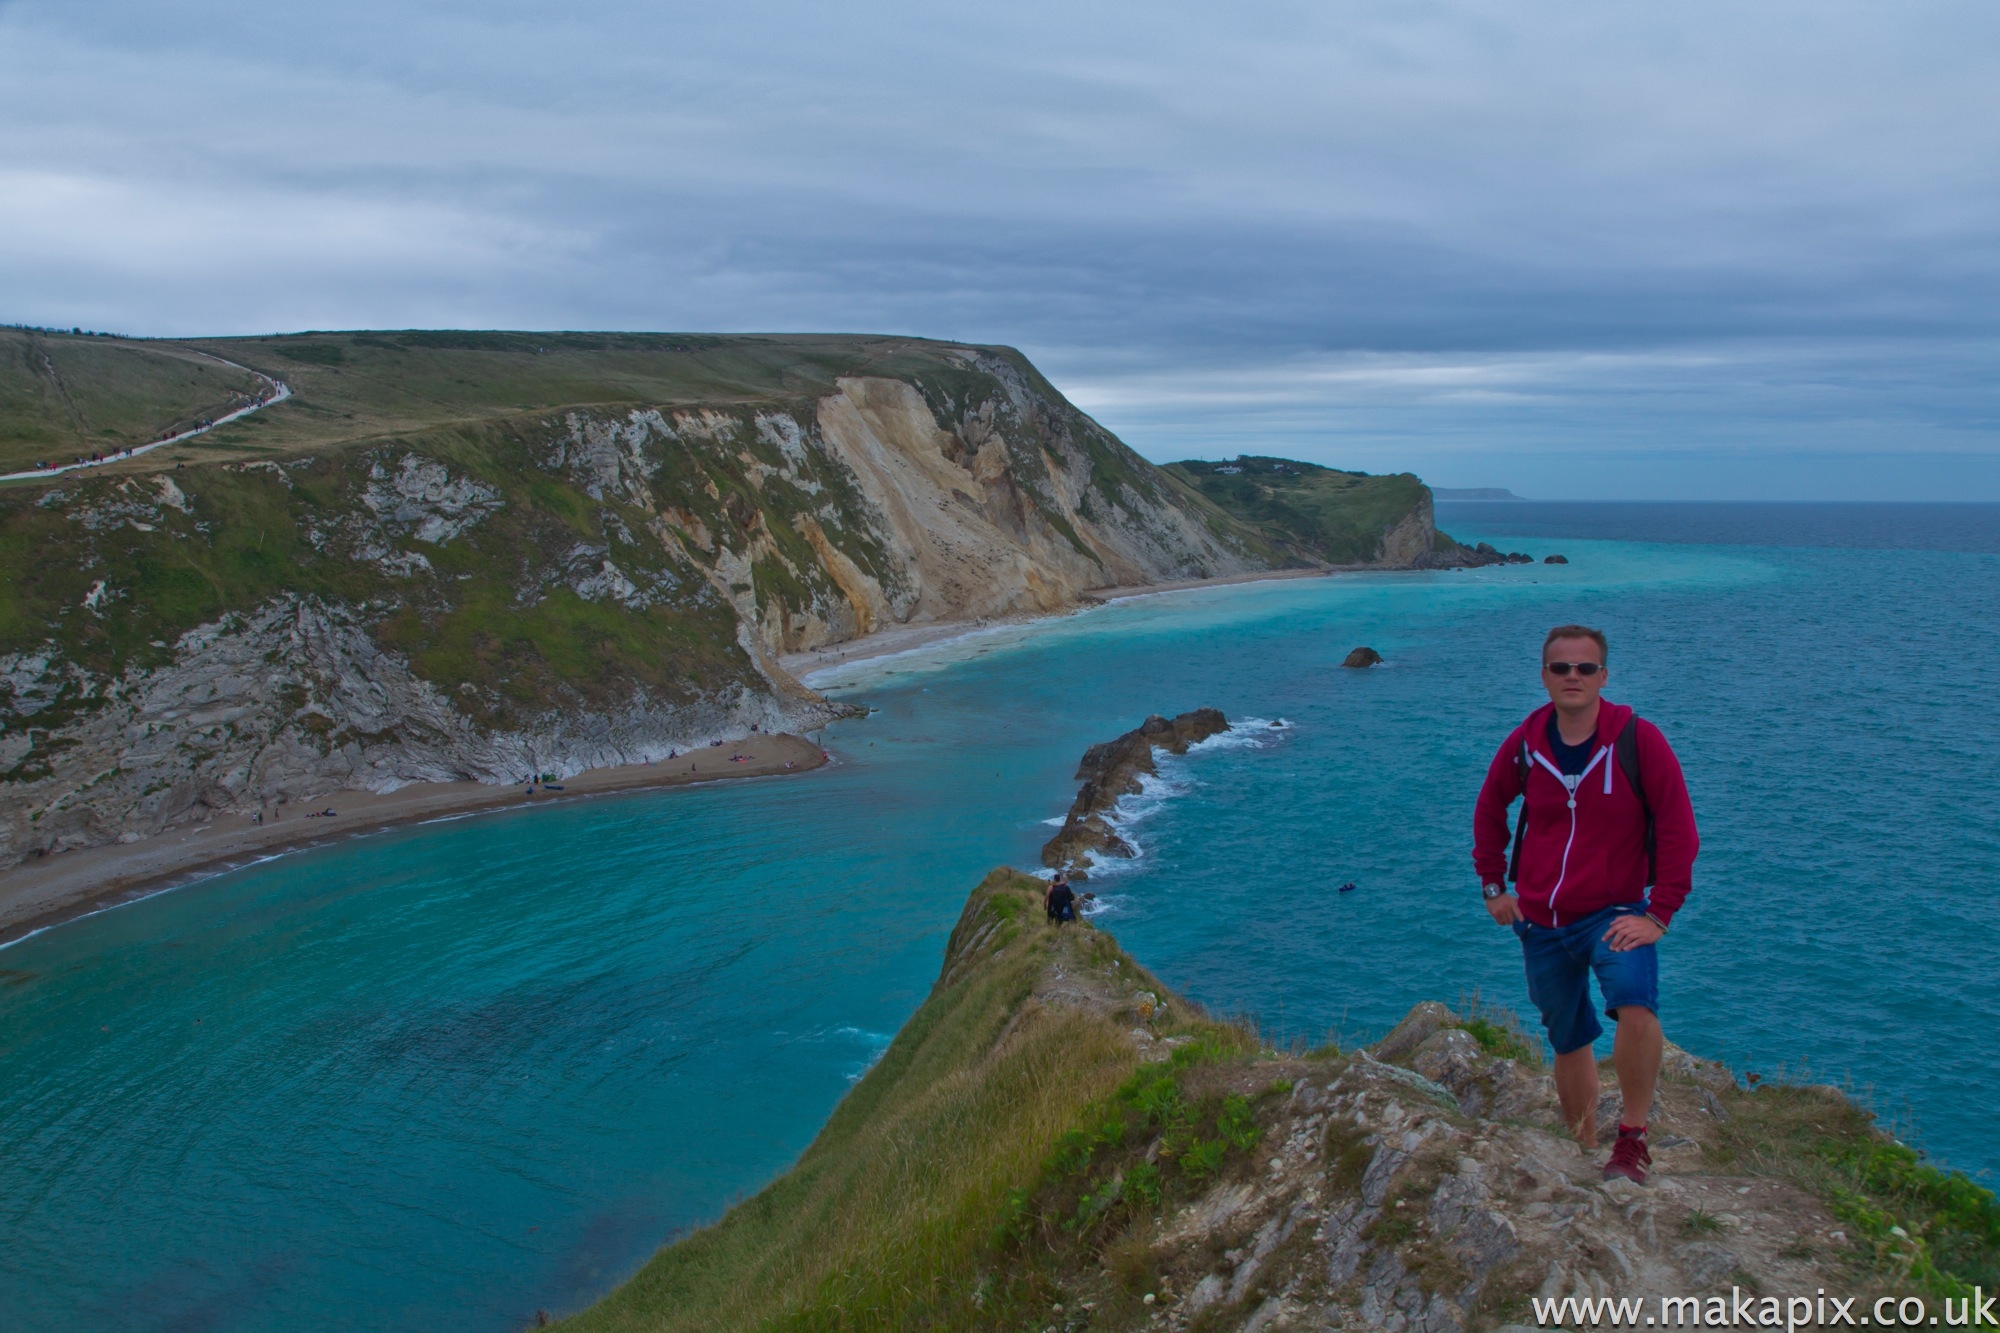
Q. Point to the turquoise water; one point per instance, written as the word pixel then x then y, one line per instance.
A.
pixel 448 1076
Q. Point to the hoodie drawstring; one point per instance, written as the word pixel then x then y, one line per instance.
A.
pixel 1570 785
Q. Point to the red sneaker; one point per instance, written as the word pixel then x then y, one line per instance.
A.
pixel 1629 1157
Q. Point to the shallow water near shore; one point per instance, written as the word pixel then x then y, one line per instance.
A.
pixel 444 1077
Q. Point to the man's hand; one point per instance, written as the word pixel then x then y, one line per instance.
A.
pixel 1632 932
pixel 1506 909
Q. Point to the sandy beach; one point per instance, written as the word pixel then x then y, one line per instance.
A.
pixel 42 893
pixel 907 638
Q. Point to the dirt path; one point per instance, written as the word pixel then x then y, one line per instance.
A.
pixel 279 392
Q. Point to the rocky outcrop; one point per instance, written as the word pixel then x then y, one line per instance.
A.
pixel 1451 555
pixel 1361 658
pixel 1434 1192
pixel 1555 559
pixel 1112 771
pixel 296 699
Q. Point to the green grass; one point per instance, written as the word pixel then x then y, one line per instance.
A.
pixel 62 395
pixel 994 1142
pixel 1931 1229
pixel 1317 513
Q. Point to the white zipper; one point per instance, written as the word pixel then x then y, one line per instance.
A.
pixel 1570 785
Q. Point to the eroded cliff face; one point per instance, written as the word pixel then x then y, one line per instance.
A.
pixel 546 595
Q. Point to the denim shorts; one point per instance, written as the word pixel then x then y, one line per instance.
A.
pixel 1560 960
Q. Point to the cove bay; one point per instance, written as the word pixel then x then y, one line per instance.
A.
pixel 454 1074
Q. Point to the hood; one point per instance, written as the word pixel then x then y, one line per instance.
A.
pixel 1611 719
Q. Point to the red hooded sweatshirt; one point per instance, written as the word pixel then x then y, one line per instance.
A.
pixel 1582 855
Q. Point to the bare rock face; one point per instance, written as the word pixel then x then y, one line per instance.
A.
pixel 1555 559
pixel 1362 657
pixel 296 699
pixel 1439 1195
pixel 1114 770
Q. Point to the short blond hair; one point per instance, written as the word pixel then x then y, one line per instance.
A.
pixel 1596 636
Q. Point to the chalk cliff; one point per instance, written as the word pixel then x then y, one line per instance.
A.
pixel 546 592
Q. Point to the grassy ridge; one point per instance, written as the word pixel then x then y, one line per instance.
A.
pixel 62 395
pixel 364 386
pixel 891 1214
pixel 1317 513
pixel 994 1166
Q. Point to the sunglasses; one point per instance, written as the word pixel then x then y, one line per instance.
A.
pixel 1585 669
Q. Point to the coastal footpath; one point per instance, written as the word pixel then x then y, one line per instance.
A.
pixel 1055 1141
pixel 454 557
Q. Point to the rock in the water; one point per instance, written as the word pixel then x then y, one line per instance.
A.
pixel 1555 559
pixel 1362 657
pixel 1111 771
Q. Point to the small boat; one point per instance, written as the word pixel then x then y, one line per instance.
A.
pixel 1347 887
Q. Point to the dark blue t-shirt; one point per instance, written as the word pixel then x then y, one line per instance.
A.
pixel 1571 759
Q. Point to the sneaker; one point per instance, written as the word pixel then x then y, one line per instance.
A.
pixel 1629 1157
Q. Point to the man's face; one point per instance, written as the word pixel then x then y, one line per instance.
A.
pixel 1574 690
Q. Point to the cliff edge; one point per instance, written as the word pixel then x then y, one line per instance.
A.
pixel 1055 1141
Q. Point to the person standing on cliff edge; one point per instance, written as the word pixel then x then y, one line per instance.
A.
pixel 1605 819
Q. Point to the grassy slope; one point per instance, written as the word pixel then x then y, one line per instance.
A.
pixel 1316 512
pixel 965 1182
pixel 367 386
pixel 63 395
pixel 890 1216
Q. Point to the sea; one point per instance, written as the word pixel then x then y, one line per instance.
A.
pixel 453 1075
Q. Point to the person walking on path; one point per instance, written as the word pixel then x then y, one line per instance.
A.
pixel 1060 900
pixel 1605 819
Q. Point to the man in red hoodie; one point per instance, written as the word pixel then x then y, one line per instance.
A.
pixel 1606 818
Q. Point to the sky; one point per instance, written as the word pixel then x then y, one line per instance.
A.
pixel 1582 250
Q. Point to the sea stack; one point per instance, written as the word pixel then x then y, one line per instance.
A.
pixel 1112 770
pixel 1362 657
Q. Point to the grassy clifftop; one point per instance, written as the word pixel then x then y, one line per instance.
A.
pixel 1324 514
pixel 1053 1141
pixel 64 396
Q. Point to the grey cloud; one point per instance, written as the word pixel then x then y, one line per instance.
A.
pixel 1165 188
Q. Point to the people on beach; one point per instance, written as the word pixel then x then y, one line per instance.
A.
pixel 1603 856
pixel 1060 900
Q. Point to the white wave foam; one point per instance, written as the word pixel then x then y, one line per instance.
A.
pixel 1249 733
pixel 1175 778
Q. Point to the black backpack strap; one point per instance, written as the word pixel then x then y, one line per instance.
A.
pixel 1520 821
pixel 1627 750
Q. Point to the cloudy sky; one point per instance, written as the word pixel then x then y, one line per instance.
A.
pixel 1594 249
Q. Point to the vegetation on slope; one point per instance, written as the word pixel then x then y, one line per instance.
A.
pixel 63 396
pixel 912 1207
pixel 480 615
pixel 1317 513
pixel 1015 1161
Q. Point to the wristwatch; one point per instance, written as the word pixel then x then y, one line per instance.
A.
pixel 1493 891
